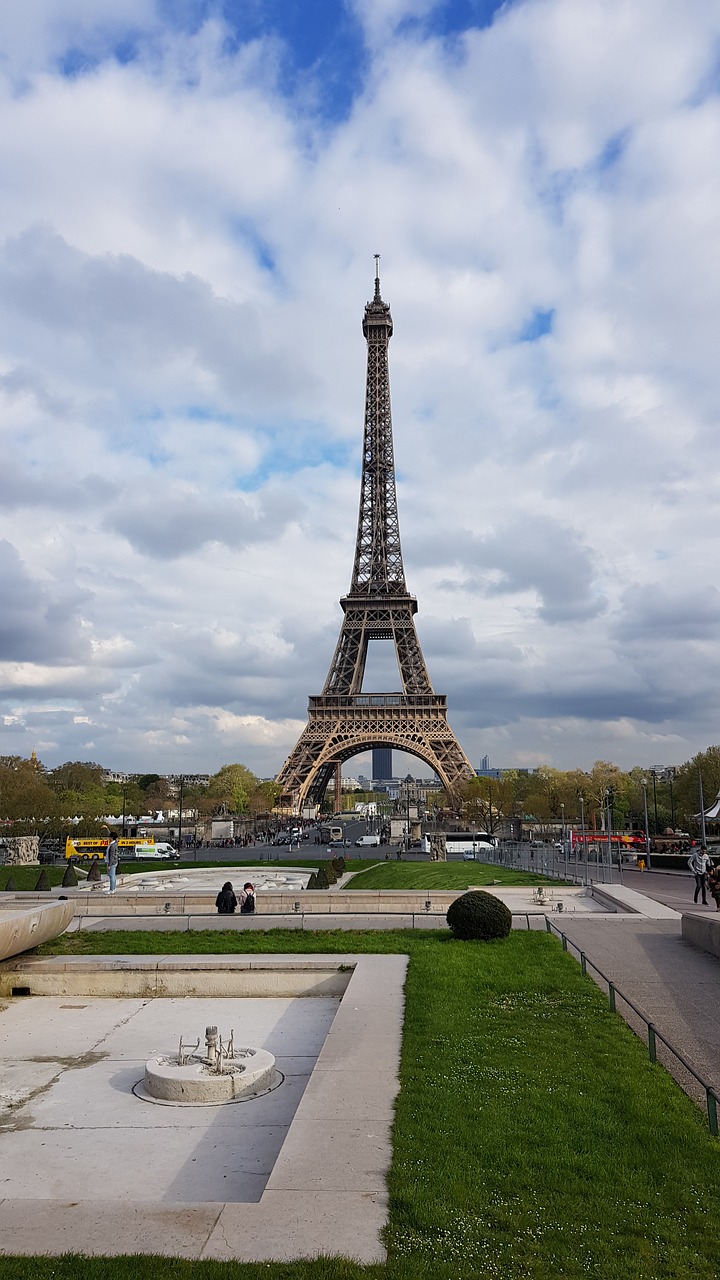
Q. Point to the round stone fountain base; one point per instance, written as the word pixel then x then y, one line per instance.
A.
pixel 194 1084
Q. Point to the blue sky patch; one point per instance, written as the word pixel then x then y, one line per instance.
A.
pixel 538 326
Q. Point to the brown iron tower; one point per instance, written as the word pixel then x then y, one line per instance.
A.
pixel 344 720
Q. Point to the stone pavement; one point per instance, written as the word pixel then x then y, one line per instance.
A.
pixel 673 983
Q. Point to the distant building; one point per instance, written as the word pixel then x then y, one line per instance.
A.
pixel 382 769
pixel 486 772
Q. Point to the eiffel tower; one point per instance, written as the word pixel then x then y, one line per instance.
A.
pixel 344 720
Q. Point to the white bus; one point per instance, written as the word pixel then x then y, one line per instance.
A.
pixel 469 842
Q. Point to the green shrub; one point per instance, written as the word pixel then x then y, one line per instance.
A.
pixel 312 882
pixel 330 873
pixel 338 865
pixel 70 878
pixel 42 884
pixel 94 872
pixel 321 877
pixel 479 915
pixel 10 885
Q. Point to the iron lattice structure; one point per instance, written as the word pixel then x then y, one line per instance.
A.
pixel 344 721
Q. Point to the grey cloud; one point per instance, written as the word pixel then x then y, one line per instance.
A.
pixel 170 524
pixel 653 613
pixel 20 487
pixel 37 623
pixel 538 554
pixel 112 317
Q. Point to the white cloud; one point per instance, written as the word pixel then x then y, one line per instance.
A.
pixel 184 256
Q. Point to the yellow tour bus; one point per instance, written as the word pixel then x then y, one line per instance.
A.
pixel 89 847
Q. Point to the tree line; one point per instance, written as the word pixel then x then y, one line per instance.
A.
pixel 36 800
pixel 39 800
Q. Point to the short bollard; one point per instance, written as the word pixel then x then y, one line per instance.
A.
pixel 611 994
pixel 712 1102
pixel 583 963
pixel 652 1049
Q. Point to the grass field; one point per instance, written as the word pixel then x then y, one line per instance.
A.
pixel 533 1139
pixel 375 875
pixel 25 877
pixel 440 875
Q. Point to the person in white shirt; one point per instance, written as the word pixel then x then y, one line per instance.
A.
pixel 699 863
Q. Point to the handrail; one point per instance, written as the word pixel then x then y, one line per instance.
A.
pixel 712 1098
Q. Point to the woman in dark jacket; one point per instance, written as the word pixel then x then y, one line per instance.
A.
pixel 226 901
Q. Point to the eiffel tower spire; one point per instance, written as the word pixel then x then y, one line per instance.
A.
pixel 344 721
pixel 378 567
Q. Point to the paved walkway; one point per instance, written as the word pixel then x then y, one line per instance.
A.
pixel 676 985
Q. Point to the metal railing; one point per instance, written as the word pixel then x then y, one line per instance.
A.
pixel 712 1098
pixel 545 860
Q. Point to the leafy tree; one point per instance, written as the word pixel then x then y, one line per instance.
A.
pixel 229 789
pixel 75 775
pixel 25 797
pixel 147 780
pixel 686 786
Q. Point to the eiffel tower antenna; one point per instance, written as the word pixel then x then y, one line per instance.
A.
pixel 344 720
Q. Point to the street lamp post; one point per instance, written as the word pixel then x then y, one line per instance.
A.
pixel 653 774
pixel 180 815
pixel 647 829
pixel 702 807
pixel 583 848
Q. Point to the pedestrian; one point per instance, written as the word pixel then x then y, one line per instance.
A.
pixel 699 863
pixel 713 879
pixel 247 899
pixel 112 857
pixel 226 901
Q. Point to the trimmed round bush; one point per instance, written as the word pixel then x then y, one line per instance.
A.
pixel 478 915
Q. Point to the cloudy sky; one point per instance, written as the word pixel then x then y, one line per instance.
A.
pixel 192 195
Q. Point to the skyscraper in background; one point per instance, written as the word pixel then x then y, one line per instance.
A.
pixel 382 764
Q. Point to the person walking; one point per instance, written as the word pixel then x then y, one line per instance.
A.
pixel 713 879
pixel 699 863
pixel 112 857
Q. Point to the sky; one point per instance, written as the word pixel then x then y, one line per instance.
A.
pixel 192 195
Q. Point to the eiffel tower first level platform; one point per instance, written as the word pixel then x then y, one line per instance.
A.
pixel 345 720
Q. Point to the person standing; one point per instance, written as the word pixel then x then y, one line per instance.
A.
pixel 112 857
pixel 699 863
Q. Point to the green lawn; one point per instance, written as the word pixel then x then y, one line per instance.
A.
pixel 532 1138
pixel 375 875
pixel 440 875
pixel 26 877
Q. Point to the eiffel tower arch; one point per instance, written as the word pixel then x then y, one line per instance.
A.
pixel 344 720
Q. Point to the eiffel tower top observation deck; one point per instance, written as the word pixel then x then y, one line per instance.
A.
pixel 344 721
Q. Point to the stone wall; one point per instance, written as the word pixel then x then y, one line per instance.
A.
pixel 20 849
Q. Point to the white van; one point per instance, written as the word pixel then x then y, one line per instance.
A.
pixel 372 842
pixel 155 851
